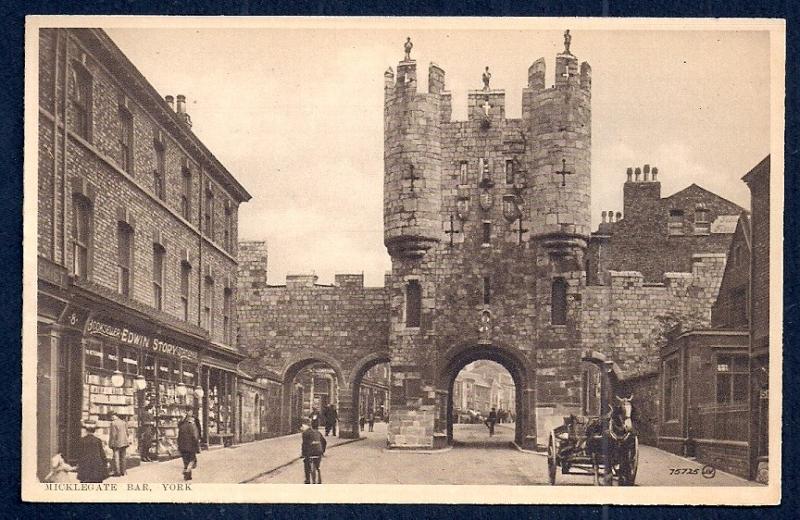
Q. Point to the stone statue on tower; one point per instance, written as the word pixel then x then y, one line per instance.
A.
pixel 567 41
pixel 408 46
pixel 487 77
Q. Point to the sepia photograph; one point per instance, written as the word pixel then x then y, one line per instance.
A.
pixel 407 260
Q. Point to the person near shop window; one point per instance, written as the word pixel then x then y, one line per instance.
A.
pixel 188 443
pixel 118 442
pixel 92 462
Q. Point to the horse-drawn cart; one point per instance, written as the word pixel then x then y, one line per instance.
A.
pixel 605 446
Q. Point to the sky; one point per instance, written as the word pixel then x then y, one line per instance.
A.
pixel 297 116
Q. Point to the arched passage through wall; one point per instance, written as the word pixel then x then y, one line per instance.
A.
pixel 359 371
pixel 516 365
pixel 290 411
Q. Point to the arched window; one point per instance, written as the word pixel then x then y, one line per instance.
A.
pixel 558 313
pixel 413 303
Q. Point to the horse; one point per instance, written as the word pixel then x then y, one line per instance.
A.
pixel 611 442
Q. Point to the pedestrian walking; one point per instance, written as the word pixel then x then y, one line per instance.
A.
pixel 92 461
pixel 371 420
pixel 334 418
pixel 327 418
pixel 146 436
pixel 188 443
pixel 491 421
pixel 312 448
pixel 314 419
pixel 118 442
pixel 59 470
pixel 362 421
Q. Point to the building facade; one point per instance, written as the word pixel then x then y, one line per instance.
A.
pixel 137 256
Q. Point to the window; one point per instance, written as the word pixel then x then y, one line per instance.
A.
pixel 701 224
pixel 80 99
pixel 485 172
pixel 186 193
pixel 462 175
pixel 81 236
pixel 732 380
pixel 209 213
pixel 186 271
pixel 487 232
pixel 126 140
pixel 413 303
pixel 226 315
pixel 558 311
pixel 226 237
pixel 487 290
pixel 130 360
pixel 124 258
pixel 675 224
pixel 510 171
pixel 208 316
pixel 672 396
pixel 158 276
pixel 159 171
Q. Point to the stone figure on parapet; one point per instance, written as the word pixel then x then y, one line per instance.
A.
pixel 487 77
pixel 408 46
pixel 567 41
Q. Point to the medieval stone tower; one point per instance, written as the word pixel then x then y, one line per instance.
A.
pixel 486 221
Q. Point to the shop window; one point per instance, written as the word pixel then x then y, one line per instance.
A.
pixel 558 302
pixel 124 258
pixel 130 361
pixel 675 224
pixel 186 192
pixel 94 354
pixel 159 172
pixel 732 379
pixel 81 236
pixel 80 99
pixel 186 271
pixel 166 369
pixel 110 357
pixel 158 276
pixel 189 375
pixel 125 139
pixel 413 303
pixel 149 370
pixel 672 395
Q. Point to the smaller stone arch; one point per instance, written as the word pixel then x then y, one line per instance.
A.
pixel 291 368
pixel 348 411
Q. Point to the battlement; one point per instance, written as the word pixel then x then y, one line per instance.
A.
pixel 352 281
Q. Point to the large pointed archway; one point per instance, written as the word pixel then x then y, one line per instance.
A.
pixel 290 395
pixel 518 366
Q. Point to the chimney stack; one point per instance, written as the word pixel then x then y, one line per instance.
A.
pixel 181 110
pixel 170 101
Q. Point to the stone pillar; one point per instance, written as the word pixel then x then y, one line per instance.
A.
pixel 348 413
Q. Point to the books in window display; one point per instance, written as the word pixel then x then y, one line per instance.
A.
pixel 101 399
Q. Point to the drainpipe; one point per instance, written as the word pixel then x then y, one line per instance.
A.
pixel 64 156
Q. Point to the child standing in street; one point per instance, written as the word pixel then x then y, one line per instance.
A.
pixel 312 449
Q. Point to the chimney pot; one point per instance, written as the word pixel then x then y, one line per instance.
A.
pixel 170 101
pixel 619 216
pixel 637 172
pixel 611 216
pixel 604 217
pixel 655 173
pixel 181 107
pixel 630 174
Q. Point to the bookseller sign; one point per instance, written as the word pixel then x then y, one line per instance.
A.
pixel 137 339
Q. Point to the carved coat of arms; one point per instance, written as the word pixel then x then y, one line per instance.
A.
pixel 486 199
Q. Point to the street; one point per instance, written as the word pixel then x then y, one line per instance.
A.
pixel 475 459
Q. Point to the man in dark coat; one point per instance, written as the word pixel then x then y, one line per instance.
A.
pixel 491 421
pixel 92 462
pixel 331 416
pixel 311 450
pixel 188 443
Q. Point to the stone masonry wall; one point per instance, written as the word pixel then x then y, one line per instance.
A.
pixel 626 318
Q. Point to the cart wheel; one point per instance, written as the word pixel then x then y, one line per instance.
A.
pixel 552 463
pixel 634 461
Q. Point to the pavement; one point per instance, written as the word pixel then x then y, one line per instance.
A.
pixel 236 464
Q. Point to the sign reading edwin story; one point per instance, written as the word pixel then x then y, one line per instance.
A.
pixel 125 335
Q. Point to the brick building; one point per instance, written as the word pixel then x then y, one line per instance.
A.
pixel 137 255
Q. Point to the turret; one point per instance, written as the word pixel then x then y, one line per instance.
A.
pixel 557 123
pixel 412 160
